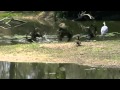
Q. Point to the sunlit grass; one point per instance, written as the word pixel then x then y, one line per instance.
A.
pixel 9 14
pixel 90 52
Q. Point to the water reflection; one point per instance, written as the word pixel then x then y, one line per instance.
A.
pixel 55 71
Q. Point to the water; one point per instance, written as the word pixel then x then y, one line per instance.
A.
pixel 55 71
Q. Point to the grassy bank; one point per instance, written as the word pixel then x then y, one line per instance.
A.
pixel 101 53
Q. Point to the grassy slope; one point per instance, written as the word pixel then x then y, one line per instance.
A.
pixel 102 53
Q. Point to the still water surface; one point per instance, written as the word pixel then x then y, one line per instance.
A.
pixel 55 71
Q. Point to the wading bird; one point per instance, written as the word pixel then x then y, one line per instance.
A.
pixel 104 29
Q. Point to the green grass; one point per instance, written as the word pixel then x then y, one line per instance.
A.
pixel 9 14
pixel 17 14
pixel 89 53
pixel 100 50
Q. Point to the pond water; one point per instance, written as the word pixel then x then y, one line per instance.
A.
pixel 55 71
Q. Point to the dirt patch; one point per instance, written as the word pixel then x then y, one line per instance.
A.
pixel 59 46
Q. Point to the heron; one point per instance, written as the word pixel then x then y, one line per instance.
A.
pixel 104 29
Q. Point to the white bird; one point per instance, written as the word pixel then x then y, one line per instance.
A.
pixel 104 29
